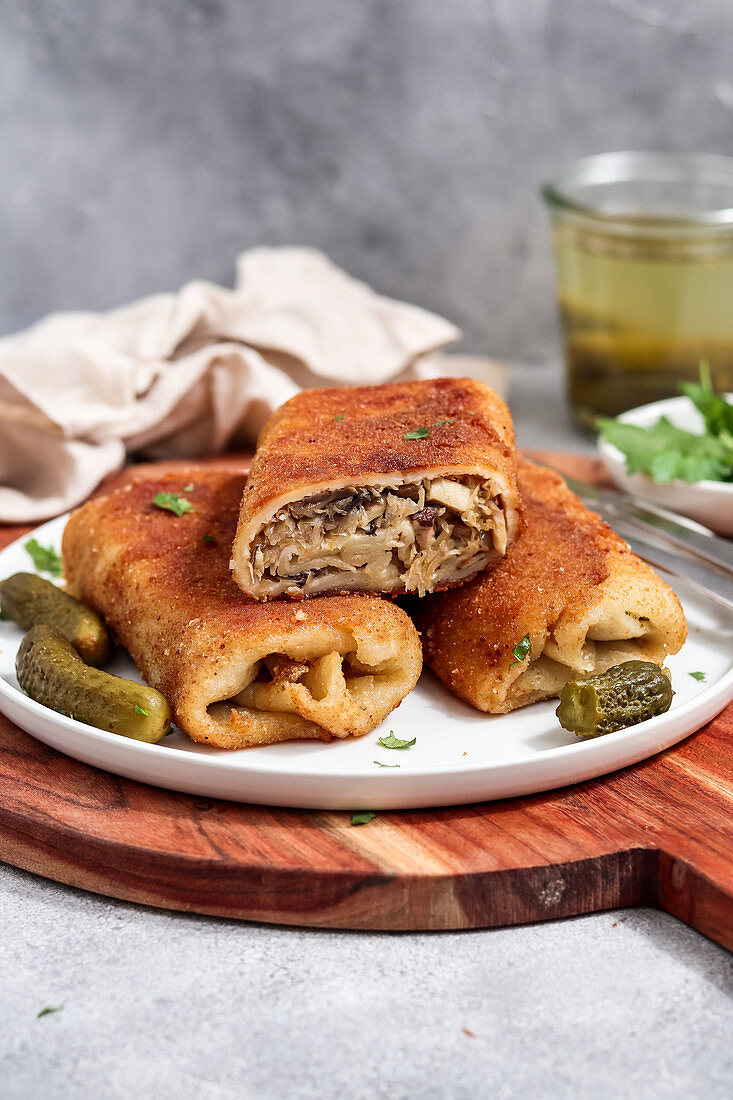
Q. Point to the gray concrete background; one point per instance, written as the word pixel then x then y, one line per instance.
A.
pixel 156 1004
pixel 146 143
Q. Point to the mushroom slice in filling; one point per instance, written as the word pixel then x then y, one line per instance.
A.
pixel 412 537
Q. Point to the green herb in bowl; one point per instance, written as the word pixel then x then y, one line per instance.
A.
pixel 657 452
pixel 666 452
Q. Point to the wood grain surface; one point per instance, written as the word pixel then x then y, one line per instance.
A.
pixel 659 833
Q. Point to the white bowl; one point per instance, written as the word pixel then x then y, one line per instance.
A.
pixel 708 502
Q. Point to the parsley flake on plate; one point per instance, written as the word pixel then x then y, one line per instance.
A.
pixel 172 502
pixel 419 433
pixel 393 742
pixel 381 765
pixel 521 650
pixel 45 558
pixel 363 818
pixel 48 1009
pixel 698 676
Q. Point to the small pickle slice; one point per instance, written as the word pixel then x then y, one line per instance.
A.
pixel 50 670
pixel 28 599
pixel 621 696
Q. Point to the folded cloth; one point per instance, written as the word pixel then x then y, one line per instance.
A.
pixel 183 374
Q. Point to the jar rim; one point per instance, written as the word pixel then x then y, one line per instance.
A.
pixel 629 167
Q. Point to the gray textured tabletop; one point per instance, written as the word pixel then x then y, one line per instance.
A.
pixel 160 1004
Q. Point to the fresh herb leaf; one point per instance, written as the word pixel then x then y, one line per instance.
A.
pixel 172 502
pixel 45 558
pixel 439 423
pixel 393 742
pixel 521 651
pixel 363 818
pixel 208 539
pixel 666 453
pixel 48 1009
pixel 419 433
pixel 380 765
pixel 188 488
pixel 141 710
pixel 715 410
pixel 60 711
pixel 698 676
pixel 339 417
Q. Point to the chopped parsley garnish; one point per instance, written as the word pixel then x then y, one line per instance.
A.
pixel 393 742
pixel 48 1009
pixel 424 432
pixel 666 453
pixel 3 618
pixel 209 539
pixel 698 676
pixel 172 503
pixel 45 558
pixel 141 710
pixel 381 765
pixel 521 650
pixel 363 818
pixel 188 488
pixel 340 417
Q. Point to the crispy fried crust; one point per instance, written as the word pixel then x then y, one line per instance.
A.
pixel 572 584
pixel 327 439
pixel 168 595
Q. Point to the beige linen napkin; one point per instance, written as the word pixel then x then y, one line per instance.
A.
pixel 184 374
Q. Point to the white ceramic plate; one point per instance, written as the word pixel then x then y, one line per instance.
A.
pixel 460 756
pixel 708 502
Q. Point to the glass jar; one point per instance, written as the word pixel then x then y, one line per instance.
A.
pixel 644 258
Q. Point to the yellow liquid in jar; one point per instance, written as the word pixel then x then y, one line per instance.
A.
pixel 639 314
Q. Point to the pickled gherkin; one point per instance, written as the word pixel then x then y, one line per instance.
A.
pixel 621 696
pixel 28 599
pixel 50 670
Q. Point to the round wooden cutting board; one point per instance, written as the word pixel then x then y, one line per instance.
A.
pixel 659 833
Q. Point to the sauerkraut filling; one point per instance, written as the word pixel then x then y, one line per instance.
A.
pixel 414 536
